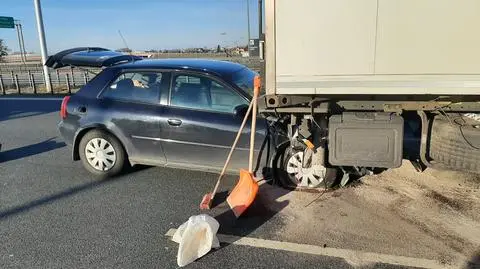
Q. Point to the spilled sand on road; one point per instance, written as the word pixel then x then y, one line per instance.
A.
pixel 434 215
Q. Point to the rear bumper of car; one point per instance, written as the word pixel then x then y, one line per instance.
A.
pixel 67 132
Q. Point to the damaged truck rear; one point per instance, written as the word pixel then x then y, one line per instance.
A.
pixel 359 85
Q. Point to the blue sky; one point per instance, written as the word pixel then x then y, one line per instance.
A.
pixel 145 24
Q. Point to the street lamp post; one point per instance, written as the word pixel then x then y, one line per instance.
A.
pixel 260 19
pixel 20 47
pixel 43 43
pixel 23 42
pixel 248 25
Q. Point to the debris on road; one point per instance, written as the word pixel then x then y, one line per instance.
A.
pixel 431 215
pixel 196 237
pixel 443 204
pixel 473 116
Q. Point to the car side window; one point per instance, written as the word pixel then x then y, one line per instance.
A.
pixel 203 93
pixel 135 86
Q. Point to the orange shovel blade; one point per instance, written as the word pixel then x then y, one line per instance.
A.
pixel 243 195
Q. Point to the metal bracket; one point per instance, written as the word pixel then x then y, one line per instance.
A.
pixel 414 106
pixel 419 166
pixel 424 137
pixel 303 129
pixel 345 177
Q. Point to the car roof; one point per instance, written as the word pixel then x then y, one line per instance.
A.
pixel 203 65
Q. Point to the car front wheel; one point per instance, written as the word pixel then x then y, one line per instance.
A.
pixel 102 154
pixel 291 174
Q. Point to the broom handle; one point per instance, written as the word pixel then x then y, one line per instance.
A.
pixel 233 147
pixel 256 90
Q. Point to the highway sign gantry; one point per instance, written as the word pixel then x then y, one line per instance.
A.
pixel 6 22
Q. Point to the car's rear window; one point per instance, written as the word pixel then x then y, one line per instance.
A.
pixel 136 86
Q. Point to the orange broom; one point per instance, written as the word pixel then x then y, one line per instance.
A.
pixel 246 189
pixel 207 199
pixel 244 193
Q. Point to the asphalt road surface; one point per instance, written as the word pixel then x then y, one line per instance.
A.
pixel 53 214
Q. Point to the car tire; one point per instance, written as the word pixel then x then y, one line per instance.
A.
pixel 281 175
pixel 455 143
pixel 92 142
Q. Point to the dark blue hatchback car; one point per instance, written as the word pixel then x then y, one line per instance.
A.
pixel 172 112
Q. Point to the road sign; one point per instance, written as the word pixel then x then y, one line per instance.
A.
pixel 253 48
pixel 6 22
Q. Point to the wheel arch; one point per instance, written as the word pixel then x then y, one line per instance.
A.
pixel 278 150
pixel 81 133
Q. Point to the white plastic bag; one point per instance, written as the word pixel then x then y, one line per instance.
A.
pixel 196 237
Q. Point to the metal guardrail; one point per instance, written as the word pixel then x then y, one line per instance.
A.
pixel 34 82
pixel 20 67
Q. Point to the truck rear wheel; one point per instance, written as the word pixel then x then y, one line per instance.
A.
pixel 455 142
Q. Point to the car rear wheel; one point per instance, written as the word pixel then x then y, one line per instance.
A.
pixel 102 154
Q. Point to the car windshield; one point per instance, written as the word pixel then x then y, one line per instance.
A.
pixel 244 80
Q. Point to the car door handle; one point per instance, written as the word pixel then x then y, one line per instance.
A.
pixel 82 109
pixel 174 122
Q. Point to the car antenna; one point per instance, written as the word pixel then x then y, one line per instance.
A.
pixel 126 45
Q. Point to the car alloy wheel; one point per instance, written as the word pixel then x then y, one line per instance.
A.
pixel 290 173
pixel 311 176
pixel 100 154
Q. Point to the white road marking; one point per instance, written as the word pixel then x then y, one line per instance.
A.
pixel 31 98
pixel 353 257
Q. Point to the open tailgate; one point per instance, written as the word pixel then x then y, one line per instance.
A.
pixel 89 57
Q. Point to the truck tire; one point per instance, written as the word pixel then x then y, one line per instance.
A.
pixel 455 143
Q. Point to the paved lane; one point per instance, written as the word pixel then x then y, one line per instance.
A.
pixel 53 214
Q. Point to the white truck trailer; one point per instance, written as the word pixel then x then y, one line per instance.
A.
pixel 354 85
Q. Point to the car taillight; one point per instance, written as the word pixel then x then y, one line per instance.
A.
pixel 63 108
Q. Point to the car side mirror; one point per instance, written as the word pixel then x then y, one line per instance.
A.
pixel 240 111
